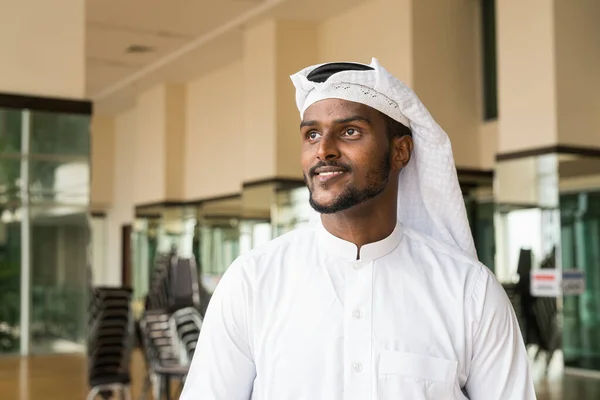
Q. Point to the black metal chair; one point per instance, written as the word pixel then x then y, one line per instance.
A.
pixel 110 339
pixel 160 350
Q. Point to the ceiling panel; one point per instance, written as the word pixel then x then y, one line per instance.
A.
pixel 185 17
pixel 111 44
pixel 115 77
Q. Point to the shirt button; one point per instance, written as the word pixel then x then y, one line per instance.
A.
pixel 357 367
pixel 357 266
pixel 357 314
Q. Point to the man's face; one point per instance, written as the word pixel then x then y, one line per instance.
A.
pixel 346 155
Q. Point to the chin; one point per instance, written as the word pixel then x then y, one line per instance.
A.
pixel 324 198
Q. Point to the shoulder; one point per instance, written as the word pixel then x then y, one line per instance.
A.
pixel 473 277
pixel 442 254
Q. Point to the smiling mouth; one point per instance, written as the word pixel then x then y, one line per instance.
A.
pixel 328 176
pixel 329 173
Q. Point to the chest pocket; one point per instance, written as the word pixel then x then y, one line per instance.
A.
pixel 415 377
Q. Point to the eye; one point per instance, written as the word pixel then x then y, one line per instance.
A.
pixel 313 135
pixel 351 132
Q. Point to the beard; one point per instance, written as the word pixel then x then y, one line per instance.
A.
pixel 377 180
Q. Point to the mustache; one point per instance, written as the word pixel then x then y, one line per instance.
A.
pixel 335 164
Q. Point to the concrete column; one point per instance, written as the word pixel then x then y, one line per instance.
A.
pixel 159 145
pixel 577 72
pixel 273 50
pixel 102 132
pixel 527 94
pixel 42 44
pixel 446 71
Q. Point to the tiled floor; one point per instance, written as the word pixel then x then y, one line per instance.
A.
pixel 62 377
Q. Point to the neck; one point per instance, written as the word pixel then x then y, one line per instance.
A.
pixel 362 224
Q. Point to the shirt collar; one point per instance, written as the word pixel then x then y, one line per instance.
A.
pixel 348 250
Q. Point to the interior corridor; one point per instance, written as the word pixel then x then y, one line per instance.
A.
pixel 63 377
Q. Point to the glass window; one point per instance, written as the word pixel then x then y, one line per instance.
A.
pixel 10 285
pixel 581 250
pixel 10 131
pixel 54 232
pixel 59 240
pixel 59 134
pixel 10 180
pixel 62 182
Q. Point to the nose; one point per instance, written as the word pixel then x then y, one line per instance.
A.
pixel 328 149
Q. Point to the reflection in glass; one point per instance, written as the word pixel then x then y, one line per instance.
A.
pixel 59 134
pixel 580 232
pixel 222 240
pixel 10 278
pixel 10 180
pixel 51 240
pixel 480 209
pixel 10 131
pixel 65 182
pixel 58 266
pixel 145 247
pixel 292 210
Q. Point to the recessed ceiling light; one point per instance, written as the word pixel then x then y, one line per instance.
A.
pixel 139 48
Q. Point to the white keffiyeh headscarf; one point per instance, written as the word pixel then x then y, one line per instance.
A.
pixel 429 196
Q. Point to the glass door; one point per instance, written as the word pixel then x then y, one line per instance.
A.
pixel 44 232
pixel 581 250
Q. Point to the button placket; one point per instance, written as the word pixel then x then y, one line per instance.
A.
pixel 357 329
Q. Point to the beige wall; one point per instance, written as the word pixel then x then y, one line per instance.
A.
pixel 175 136
pixel 297 47
pixel 259 106
pixel 274 50
pixel 578 72
pixel 149 146
pixel 125 186
pixel 526 75
pixel 44 41
pixel 102 161
pixel 214 150
pixel 239 122
pixel 379 28
pixel 445 71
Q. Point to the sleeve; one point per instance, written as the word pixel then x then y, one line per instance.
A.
pixel 223 367
pixel 499 368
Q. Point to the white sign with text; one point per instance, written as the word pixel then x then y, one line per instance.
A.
pixel 545 283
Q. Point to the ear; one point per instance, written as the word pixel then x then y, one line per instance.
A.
pixel 402 148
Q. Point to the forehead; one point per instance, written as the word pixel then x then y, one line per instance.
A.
pixel 332 109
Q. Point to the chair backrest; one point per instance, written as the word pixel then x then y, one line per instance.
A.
pixel 110 334
pixel 185 325
pixel 183 284
pixel 157 339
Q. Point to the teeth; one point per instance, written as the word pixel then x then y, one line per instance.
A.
pixel 331 173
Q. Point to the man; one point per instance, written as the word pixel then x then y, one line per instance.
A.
pixel 382 297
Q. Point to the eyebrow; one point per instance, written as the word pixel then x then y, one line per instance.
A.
pixel 353 118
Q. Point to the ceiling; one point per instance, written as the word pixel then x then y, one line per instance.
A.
pixel 184 39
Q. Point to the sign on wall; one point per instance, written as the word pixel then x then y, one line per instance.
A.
pixel 545 283
pixel 553 283
pixel 573 282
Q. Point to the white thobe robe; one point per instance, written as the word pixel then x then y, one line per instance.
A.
pixel 302 318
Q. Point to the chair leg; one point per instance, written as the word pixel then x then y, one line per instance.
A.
pixel 167 387
pixel 93 393
pixel 126 392
pixel 157 389
pixel 146 387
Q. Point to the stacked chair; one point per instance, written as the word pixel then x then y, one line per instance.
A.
pixel 171 323
pixel 110 341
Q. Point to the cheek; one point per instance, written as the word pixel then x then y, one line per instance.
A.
pixel 306 159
